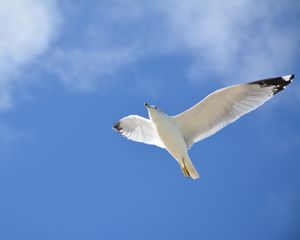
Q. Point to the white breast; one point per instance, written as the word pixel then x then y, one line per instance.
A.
pixel 171 137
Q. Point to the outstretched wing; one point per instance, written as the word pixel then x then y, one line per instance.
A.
pixel 225 106
pixel 138 129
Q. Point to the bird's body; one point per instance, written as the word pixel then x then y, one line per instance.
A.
pixel 178 133
pixel 172 138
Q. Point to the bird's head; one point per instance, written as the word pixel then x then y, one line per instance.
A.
pixel 148 106
pixel 154 112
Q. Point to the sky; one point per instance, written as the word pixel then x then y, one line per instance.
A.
pixel 70 69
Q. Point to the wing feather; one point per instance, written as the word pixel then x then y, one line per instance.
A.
pixel 225 106
pixel 138 129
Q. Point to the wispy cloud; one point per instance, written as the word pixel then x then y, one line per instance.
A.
pixel 110 40
pixel 232 39
pixel 229 40
pixel 80 69
pixel 26 30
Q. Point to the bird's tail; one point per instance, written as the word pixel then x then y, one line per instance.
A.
pixel 188 168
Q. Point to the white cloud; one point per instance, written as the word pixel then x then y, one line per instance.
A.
pixel 237 40
pixel 80 69
pixel 247 39
pixel 105 44
pixel 26 30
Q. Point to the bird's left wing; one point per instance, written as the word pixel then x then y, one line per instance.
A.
pixel 138 129
pixel 225 106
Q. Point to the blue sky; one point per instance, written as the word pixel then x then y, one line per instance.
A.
pixel 69 70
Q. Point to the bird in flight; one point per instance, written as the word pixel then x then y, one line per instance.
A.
pixel 178 133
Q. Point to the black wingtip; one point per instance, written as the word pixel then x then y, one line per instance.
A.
pixel 288 77
pixel 277 83
pixel 117 127
pixel 292 77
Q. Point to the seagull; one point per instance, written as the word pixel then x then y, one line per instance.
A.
pixel 178 133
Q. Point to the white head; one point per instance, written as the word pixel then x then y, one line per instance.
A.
pixel 154 113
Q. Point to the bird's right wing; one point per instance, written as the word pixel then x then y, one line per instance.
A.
pixel 225 106
pixel 138 129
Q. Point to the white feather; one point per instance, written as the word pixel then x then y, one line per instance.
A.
pixel 219 109
pixel 138 129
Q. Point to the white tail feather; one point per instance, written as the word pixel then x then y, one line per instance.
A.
pixel 191 169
